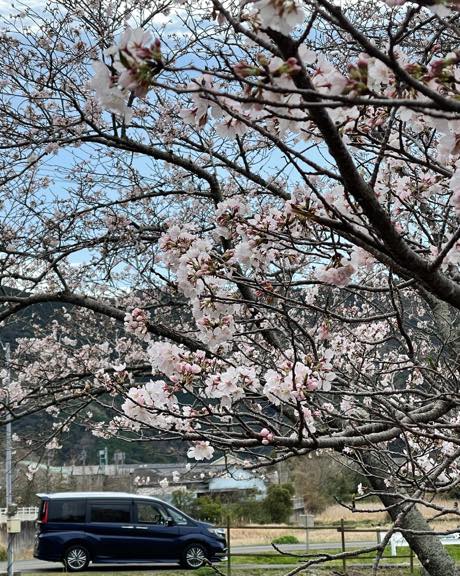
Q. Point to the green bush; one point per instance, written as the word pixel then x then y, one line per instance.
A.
pixel 249 511
pixel 278 503
pixel 288 539
pixel 206 508
pixel 201 508
pixel 276 508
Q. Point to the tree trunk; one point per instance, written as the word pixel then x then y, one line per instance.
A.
pixel 428 548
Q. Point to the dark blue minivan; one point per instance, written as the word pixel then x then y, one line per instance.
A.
pixel 77 528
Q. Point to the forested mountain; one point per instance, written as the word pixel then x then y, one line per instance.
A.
pixel 78 444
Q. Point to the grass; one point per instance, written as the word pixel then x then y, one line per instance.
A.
pixel 241 572
pixel 275 558
pixel 201 572
pixel 356 566
pixel 273 564
pixel 270 564
pixel 387 561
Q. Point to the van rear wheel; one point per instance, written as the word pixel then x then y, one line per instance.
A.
pixel 193 556
pixel 76 558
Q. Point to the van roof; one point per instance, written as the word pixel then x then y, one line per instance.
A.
pixel 61 495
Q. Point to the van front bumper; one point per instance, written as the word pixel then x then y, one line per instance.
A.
pixel 219 556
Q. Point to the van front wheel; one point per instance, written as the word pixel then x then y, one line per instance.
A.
pixel 193 556
pixel 76 558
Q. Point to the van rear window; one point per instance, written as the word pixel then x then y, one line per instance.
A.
pixel 66 511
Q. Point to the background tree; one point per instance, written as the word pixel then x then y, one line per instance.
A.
pixel 323 481
pixel 278 503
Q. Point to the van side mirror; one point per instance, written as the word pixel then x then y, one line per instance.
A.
pixel 170 521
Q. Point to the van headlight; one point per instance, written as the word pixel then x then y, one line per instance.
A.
pixel 219 532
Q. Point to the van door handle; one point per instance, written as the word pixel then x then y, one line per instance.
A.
pixel 128 527
pixel 142 527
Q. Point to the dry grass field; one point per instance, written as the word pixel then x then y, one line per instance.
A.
pixel 264 535
pixel 332 517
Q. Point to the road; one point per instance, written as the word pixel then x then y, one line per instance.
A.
pixel 42 566
pixel 298 547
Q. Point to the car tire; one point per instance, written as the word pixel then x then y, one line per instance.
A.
pixel 76 558
pixel 193 556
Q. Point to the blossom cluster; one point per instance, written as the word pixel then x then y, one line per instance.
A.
pixel 134 62
pixel 295 380
pixel 136 322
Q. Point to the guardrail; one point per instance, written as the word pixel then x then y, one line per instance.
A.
pixel 398 540
pixel 25 513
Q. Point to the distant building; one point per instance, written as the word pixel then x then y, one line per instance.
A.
pixel 225 477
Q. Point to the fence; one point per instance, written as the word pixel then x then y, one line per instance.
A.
pixel 344 544
pixel 29 513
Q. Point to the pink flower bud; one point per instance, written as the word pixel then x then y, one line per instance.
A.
pixel 312 384
pixel 243 70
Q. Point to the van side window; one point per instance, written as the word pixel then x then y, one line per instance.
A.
pixel 178 518
pixel 150 513
pixel 110 511
pixel 66 511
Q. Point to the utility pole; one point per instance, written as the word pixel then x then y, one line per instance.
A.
pixel 8 462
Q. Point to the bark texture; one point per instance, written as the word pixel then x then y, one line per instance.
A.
pixel 428 548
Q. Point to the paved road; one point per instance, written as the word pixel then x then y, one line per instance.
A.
pixel 297 547
pixel 41 566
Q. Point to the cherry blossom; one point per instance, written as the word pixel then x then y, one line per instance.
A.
pixel 108 92
pixel 281 15
pixel 338 276
pixel 241 221
pixel 201 451
pixel 136 322
pixel 164 483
